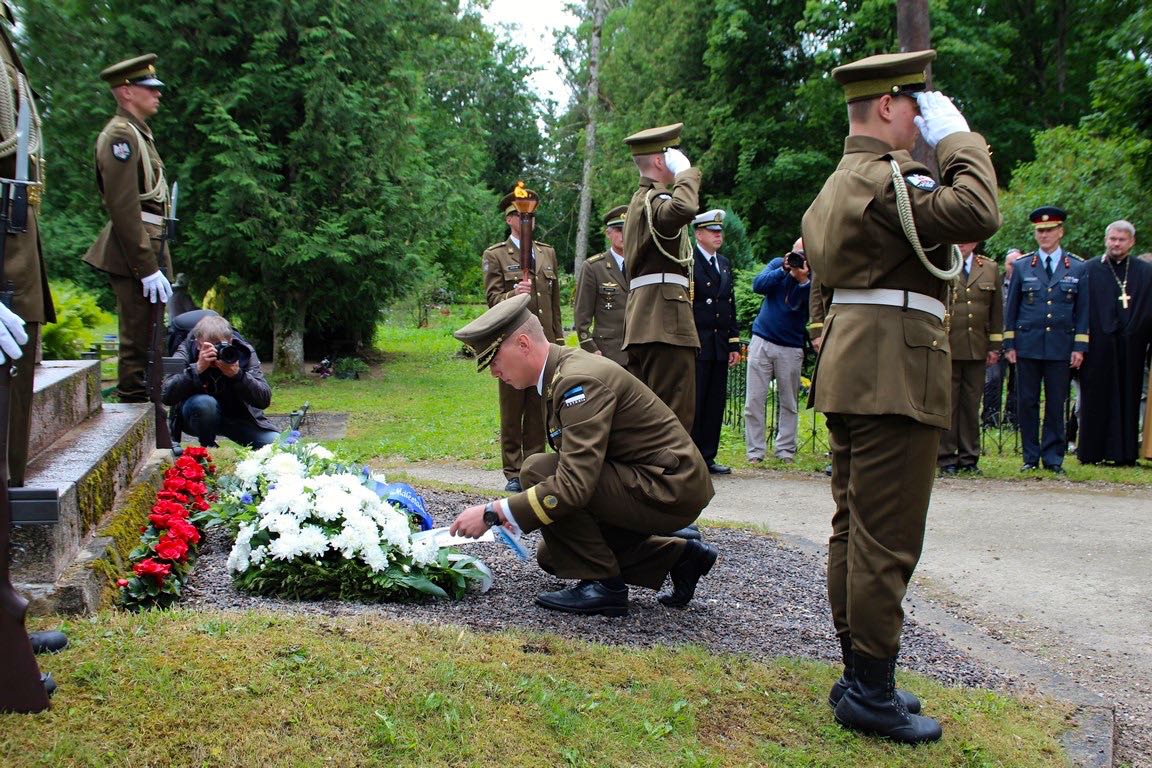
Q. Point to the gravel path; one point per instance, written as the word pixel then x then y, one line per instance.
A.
pixel 756 575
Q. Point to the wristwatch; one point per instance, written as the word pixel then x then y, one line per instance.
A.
pixel 490 516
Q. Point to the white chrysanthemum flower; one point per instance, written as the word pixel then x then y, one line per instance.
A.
pixel 248 471
pixel 258 555
pixel 288 497
pixel 333 501
pixel 425 551
pixel 283 465
pixel 238 558
pixel 282 524
pixel 313 541
pixel 375 557
pixel 314 450
pixel 394 528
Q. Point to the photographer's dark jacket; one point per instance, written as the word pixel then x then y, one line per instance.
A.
pixel 242 397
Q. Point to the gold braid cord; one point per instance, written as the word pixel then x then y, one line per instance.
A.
pixel 157 189
pixel 8 109
pixel 904 208
pixel 685 259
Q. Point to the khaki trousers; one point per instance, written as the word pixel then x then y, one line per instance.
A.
pixel 882 473
pixel 135 314
pixel 670 372
pixel 960 445
pixel 522 427
pixel 619 533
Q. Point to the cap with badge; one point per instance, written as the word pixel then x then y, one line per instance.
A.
pixel 888 73
pixel 713 220
pixel 615 217
pixel 654 141
pixel 485 334
pixel 1047 217
pixel 138 71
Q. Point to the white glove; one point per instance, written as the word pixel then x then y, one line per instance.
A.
pixel 676 161
pixel 938 117
pixel 157 288
pixel 12 334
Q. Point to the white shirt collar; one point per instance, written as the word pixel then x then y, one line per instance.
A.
pixel 707 255
pixel 968 262
pixel 540 379
pixel 619 259
pixel 1054 256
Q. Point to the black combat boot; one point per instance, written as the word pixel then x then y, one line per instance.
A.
pixel 871 705
pixel 911 703
pixel 52 641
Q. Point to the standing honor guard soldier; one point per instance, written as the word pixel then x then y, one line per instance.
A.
pixel 521 410
pixel 602 294
pixel 1045 334
pixel 974 340
pixel 714 312
pixel 130 248
pixel 624 479
pixel 878 237
pixel 660 333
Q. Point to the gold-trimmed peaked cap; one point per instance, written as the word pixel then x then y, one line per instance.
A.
pixel 889 73
pixel 1047 217
pixel 713 220
pixel 615 217
pixel 654 141
pixel 485 334
pixel 138 71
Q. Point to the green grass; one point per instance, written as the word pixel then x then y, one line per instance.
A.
pixel 251 689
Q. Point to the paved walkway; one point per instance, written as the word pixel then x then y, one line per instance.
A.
pixel 1061 570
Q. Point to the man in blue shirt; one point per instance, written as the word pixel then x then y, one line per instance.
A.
pixel 1045 334
pixel 777 352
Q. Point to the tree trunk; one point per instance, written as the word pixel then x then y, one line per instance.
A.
pixel 914 33
pixel 592 99
pixel 288 340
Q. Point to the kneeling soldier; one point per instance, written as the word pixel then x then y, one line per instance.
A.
pixel 625 476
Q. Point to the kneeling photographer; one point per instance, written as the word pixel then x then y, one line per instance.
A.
pixel 221 390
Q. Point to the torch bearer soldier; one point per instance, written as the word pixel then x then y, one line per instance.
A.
pixel 25 304
pixel 516 267
pixel 660 331
pixel 130 248
pixel 602 295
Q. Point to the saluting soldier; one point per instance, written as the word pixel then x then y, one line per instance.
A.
pixel 1045 334
pixel 882 374
pixel 977 331
pixel 602 295
pixel 624 478
pixel 659 332
pixel 130 175
pixel 521 410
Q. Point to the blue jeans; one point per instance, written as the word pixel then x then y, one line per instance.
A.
pixel 202 418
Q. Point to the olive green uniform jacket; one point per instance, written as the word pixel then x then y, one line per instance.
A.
pixel 880 359
pixel 977 312
pixel 601 300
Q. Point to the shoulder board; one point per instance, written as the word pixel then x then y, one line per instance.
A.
pixel 541 244
pixel 1073 256
pixel 495 246
pixel 594 259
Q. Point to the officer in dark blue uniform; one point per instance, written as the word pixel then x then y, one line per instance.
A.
pixel 1045 334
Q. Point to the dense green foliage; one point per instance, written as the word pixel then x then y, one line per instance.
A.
pixel 77 316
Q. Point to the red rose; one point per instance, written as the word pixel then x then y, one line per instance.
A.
pixel 153 568
pixel 182 529
pixel 201 506
pixel 172 547
pixel 121 583
pixel 196 451
pixel 196 489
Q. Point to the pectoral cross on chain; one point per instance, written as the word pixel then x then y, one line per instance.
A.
pixel 1123 298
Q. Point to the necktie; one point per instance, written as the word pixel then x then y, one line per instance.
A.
pixel 965 271
pixel 1048 265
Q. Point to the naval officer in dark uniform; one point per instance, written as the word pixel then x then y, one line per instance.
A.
pixel 1045 334
pixel 714 311
pixel 624 478
pixel 130 175
pixel 659 331
pixel 882 377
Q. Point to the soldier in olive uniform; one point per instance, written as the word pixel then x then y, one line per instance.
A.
pixel 1045 335
pixel 602 295
pixel 23 262
pixel 882 374
pixel 659 332
pixel 521 411
pixel 624 478
pixel 974 340
pixel 130 175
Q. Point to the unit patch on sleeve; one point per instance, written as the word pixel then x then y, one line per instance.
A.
pixel 574 396
pixel 920 181
pixel 121 150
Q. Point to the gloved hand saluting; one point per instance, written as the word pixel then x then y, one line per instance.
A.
pixel 12 334
pixel 157 288
pixel 676 160
pixel 938 117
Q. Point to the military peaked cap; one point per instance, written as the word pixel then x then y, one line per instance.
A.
pixel 1047 217
pixel 138 71
pixel 713 220
pixel 615 217
pixel 889 73
pixel 485 334
pixel 655 140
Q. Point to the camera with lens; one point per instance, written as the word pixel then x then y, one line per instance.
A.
pixel 227 352
pixel 795 260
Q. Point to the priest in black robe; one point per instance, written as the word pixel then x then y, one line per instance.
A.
pixel 1119 334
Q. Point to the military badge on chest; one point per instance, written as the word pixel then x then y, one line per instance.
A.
pixel 122 151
